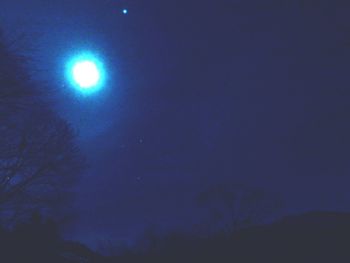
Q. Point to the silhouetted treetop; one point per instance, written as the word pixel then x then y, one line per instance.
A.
pixel 39 158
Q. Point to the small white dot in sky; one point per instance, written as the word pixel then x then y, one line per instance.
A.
pixel 125 11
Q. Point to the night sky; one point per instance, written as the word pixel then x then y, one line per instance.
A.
pixel 198 93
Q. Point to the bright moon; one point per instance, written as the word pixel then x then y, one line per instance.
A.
pixel 86 74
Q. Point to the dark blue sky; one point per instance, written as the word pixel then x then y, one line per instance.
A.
pixel 199 93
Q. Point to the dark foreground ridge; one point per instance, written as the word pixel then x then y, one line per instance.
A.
pixel 311 237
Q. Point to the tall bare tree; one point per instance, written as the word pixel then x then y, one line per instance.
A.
pixel 39 158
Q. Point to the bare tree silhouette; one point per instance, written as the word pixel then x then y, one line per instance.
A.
pixel 38 154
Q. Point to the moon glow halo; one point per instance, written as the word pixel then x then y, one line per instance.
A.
pixel 86 73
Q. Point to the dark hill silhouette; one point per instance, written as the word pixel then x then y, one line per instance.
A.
pixel 39 241
pixel 317 217
pixel 310 237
